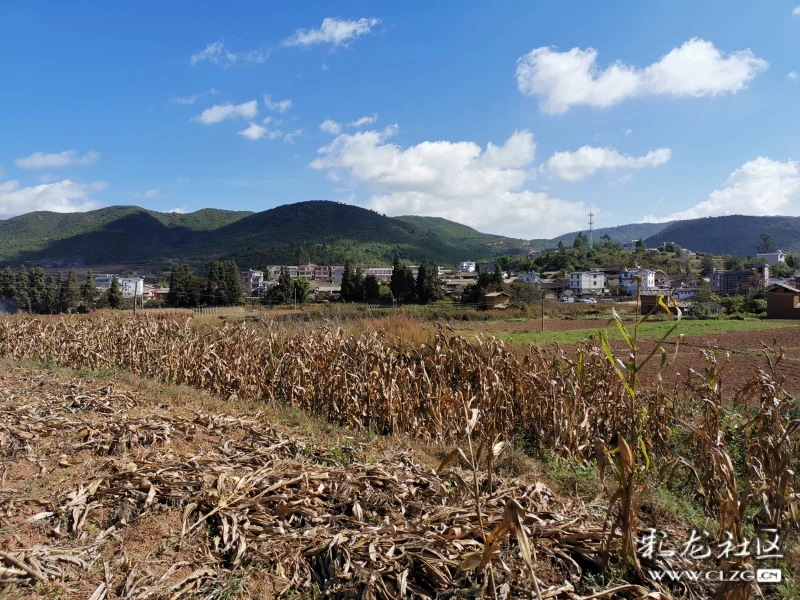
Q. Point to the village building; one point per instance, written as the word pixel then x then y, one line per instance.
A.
pixel 783 302
pixel 496 300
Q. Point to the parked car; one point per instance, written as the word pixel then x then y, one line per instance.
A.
pixel 608 300
pixel 588 300
pixel 568 299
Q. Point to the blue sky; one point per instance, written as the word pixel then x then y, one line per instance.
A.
pixel 514 117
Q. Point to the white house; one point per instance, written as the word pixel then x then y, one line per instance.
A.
pixel 275 271
pixel 131 286
pixel 467 267
pixel 772 258
pixel 530 277
pixel 587 282
pixel 627 279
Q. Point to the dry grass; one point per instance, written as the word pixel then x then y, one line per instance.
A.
pixel 353 514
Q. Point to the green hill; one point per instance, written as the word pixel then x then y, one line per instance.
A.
pixel 321 232
pixel 738 235
pixel 316 231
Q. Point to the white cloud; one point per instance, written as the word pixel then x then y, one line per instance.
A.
pixel 624 179
pixel 187 100
pixel 627 132
pixel 289 137
pixel 148 194
pixel 760 187
pixel 454 180
pixel 585 161
pixel 332 127
pixel 364 121
pixel 217 54
pixel 177 211
pixel 220 112
pixel 281 106
pixel 63 196
pixel 332 31
pixel 796 11
pixel 792 75
pixel 254 132
pixel 562 80
pixel 38 160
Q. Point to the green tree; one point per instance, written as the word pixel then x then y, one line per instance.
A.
pixel 502 262
pixel 402 281
pixel 497 276
pixel 37 289
pixel 706 265
pixel 781 269
pixel 581 243
pixel 212 293
pixel 283 292
pixel 231 284
pixel 179 286
pixel 358 285
pixel 54 286
pixel 89 291
pixel 420 285
pixel 114 294
pixel 70 297
pixel 22 296
pixel 302 289
pixel 372 289
pixel 792 261
pixel 640 245
pixel 767 243
pixel 348 288
pixel 7 289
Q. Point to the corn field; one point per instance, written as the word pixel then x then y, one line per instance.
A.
pixel 737 454
pixel 363 382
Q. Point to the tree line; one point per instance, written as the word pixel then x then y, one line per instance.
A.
pixel 221 287
pixel 36 292
pixel 424 289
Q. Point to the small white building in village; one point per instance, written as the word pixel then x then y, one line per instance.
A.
pixel 587 282
pixel 627 279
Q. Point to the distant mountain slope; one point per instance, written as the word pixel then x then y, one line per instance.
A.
pixel 107 235
pixel 620 233
pixel 322 232
pixel 318 231
pixel 738 235
pixel 450 230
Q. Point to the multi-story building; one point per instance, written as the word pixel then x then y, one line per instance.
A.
pixel 275 271
pixel 627 279
pixel 129 286
pixel 738 282
pixel 306 271
pixel 381 273
pixel 587 282
pixel 322 272
pixel 252 282
pixel 467 267
pixel 772 258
